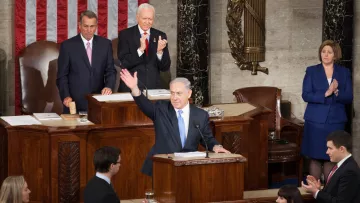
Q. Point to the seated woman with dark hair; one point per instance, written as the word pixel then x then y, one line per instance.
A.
pixel 289 194
pixel 14 189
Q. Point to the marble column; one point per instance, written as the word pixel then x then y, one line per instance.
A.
pixel 338 26
pixel 193 47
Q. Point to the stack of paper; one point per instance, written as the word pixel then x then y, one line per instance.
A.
pixel 47 116
pixel 190 154
pixel 114 97
pixel 20 120
pixel 157 92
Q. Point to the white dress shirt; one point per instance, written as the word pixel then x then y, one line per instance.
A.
pixel 148 38
pixel 186 116
pixel 85 41
pixel 99 175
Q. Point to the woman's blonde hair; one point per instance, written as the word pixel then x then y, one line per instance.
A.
pixel 11 189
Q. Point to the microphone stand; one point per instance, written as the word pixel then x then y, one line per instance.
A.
pixel 202 136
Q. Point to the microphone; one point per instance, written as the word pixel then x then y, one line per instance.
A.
pixel 118 63
pixel 197 126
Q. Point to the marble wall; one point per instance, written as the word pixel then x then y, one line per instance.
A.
pixel 166 21
pixel 293 35
pixel 6 52
pixel 356 82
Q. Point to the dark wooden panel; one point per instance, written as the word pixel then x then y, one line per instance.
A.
pixel 135 143
pixel 202 182
pixel 29 156
pixel 69 172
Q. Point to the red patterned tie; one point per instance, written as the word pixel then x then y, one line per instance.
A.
pixel 332 173
pixel 147 45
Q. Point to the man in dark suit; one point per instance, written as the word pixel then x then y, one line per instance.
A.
pixel 177 123
pixel 85 64
pixel 143 49
pixel 343 182
pixel 99 189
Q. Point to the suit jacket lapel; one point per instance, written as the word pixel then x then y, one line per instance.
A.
pixel 192 130
pixel 83 51
pixel 337 173
pixel 323 77
pixel 136 37
pixel 175 126
pixel 336 71
pixel 153 40
pixel 94 52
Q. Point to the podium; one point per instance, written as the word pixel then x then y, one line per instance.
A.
pixel 215 179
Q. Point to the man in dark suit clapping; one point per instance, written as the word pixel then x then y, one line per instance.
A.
pixel 343 182
pixel 144 49
pixel 177 123
pixel 99 189
pixel 85 65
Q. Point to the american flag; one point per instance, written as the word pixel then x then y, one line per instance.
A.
pixel 57 20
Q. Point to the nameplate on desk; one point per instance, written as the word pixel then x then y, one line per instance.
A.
pixel 117 97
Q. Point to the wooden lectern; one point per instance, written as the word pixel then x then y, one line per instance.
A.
pixel 214 179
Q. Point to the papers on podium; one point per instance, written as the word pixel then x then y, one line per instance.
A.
pixel 47 116
pixel 119 97
pixel 157 93
pixel 190 154
pixel 20 120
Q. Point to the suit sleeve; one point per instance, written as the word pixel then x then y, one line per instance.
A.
pixel 347 189
pixel 146 106
pixel 346 95
pixel 165 62
pixel 309 94
pixel 63 72
pixel 127 58
pixel 110 71
pixel 110 198
pixel 208 135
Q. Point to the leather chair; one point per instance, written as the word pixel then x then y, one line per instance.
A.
pixel 38 72
pixel 284 133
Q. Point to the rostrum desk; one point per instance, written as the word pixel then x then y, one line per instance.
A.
pixel 56 160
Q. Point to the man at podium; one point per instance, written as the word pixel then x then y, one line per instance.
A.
pixel 177 123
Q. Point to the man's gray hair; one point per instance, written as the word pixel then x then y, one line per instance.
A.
pixel 145 6
pixel 89 14
pixel 184 81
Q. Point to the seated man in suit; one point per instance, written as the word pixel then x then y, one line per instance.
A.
pixel 85 65
pixel 343 182
pixel 144 49
pixel 99 188
pixel 177 123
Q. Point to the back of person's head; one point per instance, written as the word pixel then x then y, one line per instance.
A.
pixel 104 157
pixel 14 190
pixel 291 193
pixel 341 138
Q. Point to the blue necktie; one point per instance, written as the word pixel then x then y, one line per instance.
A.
pixel 181 128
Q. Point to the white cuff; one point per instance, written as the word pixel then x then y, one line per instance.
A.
pixel 140 52
pixel 316 194
pixel 159 55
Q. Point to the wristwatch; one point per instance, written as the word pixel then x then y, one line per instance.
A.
pixel 219 145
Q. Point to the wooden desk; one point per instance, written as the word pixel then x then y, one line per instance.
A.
pixel 218 178
pixel 57 161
